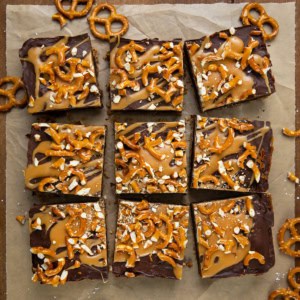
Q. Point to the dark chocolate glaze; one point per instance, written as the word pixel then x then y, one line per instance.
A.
pixel 260 239
pixel 29 76
pixel 147 266
pixel 244 34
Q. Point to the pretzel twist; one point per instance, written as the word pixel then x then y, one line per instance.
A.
pixel 292 275
pixel 285 294
pixel 286 245
pixel 264 18
pixel 107 22
pixel 72 12
pixel 10 93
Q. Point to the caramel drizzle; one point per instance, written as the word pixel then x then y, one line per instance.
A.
pixel 220 75
pixel 145 229
pixel 62 85
pixel 77 228
pixel 211 167
pixel 86 146
pixel 137 63
pixel 222 234
pixel 144 166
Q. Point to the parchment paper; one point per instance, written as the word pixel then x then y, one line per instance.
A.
pixel 165 22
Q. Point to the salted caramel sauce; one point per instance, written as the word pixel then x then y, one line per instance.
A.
pixel 219 260
pixel 45 170
pixel 145 249
pixel 213 82
pixel 154 163
pixel 150 56
pixel 58 235
pixel 43 103
pixel 235 148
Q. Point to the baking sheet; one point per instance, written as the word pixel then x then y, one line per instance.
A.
pixel 165 22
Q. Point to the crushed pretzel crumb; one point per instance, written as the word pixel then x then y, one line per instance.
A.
pixel 292 177
pixel 21 219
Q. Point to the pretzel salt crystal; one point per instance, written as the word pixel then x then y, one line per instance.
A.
pixel 107 22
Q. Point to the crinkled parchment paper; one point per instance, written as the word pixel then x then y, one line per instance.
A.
pixel 165 22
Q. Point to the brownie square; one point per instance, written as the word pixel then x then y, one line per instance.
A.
pixel 232 154
pixel 146 75
pixel 68 242
pixel 230 66
pixel 150 157
pixel 60 73
pixel 65 159
pixel 150 239
pixel 234 236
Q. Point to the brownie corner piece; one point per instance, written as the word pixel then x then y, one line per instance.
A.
pixel 147 75
pixel 59 73
pixel 150 158
pixel 234 236
pixel 232 154
pixel 68 242
pixel 150 239
pixel 65 159
pixel 230 66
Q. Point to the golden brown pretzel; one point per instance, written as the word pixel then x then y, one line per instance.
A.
pixel 286 245
pixel 107 22
pixel 264 18
pixel 292 280
pixel 10 93
pixel 72 12
pixel 289 132
pixel 285 294
pixel 60 18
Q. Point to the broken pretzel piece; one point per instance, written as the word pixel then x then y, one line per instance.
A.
pixel 21 219
pixel 289 132
pixel 60 18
